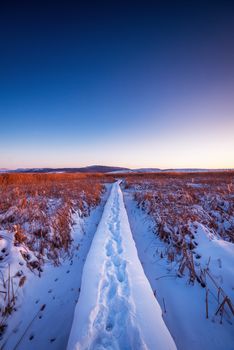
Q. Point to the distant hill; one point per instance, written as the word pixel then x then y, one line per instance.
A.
pixel 106 169
pixel 3 170
pixel 141 170
pixel 88 169
pixel 157 170
pixel 146 170
pixel 194 170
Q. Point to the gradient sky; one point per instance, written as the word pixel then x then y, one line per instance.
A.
pixel 137 84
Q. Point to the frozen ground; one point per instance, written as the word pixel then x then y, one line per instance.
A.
pixel 45 306
pixel 183 304
pixel 116 308
pixel 127 290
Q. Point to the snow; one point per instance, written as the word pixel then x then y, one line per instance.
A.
pixel 219 256
pixel 183 304
pixel 29 327
pixel 128 296
pixel 116 308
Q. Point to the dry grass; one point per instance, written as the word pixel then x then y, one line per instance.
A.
pixel 177 201
pixel 36 215
pixel 38 208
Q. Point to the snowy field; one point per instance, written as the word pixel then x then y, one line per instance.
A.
pixel 183 304
pixel 46 305
pixel 145 264
pixel 183 227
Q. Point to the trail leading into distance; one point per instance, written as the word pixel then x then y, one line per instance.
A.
pixel 117 308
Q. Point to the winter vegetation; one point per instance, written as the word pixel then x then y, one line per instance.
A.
pixel 177 200
pixel 36 217
pixel 144 263
pixel 183 225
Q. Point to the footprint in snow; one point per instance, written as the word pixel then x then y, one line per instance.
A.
pixel 15 330
pixel 109 327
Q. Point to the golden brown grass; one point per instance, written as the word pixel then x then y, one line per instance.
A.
pixel 177 201
pixel 38 208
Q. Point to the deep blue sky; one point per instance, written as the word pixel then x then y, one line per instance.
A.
pixel 122 83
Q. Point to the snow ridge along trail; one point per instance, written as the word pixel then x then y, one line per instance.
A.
pixel 116 309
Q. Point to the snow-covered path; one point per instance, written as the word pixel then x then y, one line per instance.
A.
pixel 116 308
